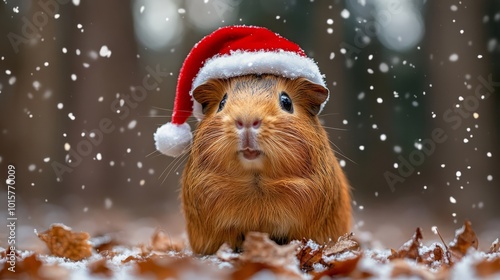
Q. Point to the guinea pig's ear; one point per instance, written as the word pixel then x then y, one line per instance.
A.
pixel 207 94
pixel 315 95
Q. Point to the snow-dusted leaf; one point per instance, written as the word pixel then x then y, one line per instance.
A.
pixel 26 268
pixel 465 238
pixel 159 268
pixel 100 268
pixel 402 269
pixel 62 242
pixel 495 247
pixel 344 244
pixel 410 250
pixel 341 267
pixel 258 248
pixel 487 268
pixel 161 242
pixel 226 254
pixel 309 253
pixel 104 244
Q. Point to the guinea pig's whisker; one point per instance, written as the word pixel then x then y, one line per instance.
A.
pixel 329 114
pixel 155 152
pixel 174 165
pixel 339 152
pixel 333 128
pixel 160 108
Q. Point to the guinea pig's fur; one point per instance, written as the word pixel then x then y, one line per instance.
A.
pixel 295 188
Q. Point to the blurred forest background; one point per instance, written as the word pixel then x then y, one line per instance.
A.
pixel 96 78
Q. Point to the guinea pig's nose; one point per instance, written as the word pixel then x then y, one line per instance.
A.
pixel 249 123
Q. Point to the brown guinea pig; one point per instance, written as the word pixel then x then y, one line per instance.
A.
pixel 261 161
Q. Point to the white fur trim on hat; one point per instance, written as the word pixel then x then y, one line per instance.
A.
pixel 238 63
pixel 172 139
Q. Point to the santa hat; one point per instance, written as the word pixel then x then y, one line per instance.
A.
pixel 230 52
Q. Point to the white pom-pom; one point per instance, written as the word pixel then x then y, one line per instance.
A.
pixel 172 139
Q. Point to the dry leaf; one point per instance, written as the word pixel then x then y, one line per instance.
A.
pixel 103 244
pixel 257 247
pixel 133 259
pixel 495 247
pixel 487 268
pixel 26 268
pixel 161 242
pixel 100 267
pixel 250 269
pixel 342 267
pixel 344 244
pixel 410 249
pixel 435 257
pixel 401 269
pixel 62 242
pixel 160 269
pixel 309 253
pixel 225 253
pixel 54 272
pixel 465 238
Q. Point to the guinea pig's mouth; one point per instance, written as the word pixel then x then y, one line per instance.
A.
pixel 250 154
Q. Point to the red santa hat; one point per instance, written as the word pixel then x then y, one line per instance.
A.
pixel 230 52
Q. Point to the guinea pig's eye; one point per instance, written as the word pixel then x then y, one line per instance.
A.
pixel 286 102
pixel 222 103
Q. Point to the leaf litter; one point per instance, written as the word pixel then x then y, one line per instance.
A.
pixel 75 255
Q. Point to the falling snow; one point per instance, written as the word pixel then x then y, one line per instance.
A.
pixel 453 57
pixel 383 67
pixel 105 51
pixel 132 124
pixel 108 203
pixel 345 14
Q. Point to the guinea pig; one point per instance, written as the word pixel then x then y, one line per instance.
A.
pixel 261 161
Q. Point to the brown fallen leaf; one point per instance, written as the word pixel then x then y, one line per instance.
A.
pixel 495 247
pixel 344 244
pixel 465 238
pixel 402 269
pixel 104 244
pixel 410 250
pixel 62 242
pixel 133 259
pixel 435 256
pixel 341 268
pixel 161 242
pixel 258 248
pixel 488 268
pixel 309 253
pixel 160 269
pixel 250 269
pixel 225 253
pixel 100 268
pixel 26 268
